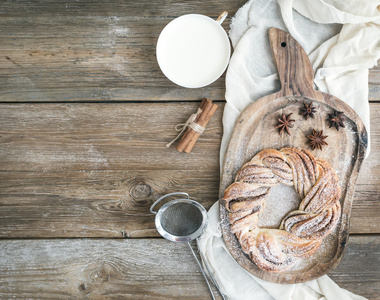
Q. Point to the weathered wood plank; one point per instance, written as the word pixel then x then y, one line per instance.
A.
pixel 92 170
pixel 84 51
pixel 374 83
pixel 76 137
pixel 142 268
pixel 104 163
pixel 359 269
pixel 118 8
pixel 93 203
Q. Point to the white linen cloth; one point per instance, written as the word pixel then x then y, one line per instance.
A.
pixel 342 39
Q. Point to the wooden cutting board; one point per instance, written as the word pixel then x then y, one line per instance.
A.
pixel 255 131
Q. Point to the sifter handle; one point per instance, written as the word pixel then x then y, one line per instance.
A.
pixel 203 272
pixel 209 272
pixel 163 197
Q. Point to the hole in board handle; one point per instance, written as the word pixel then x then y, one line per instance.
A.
pixel 283 44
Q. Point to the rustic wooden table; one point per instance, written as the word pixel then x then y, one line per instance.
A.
pixel 84 117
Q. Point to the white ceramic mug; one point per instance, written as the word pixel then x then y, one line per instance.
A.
pixel 193 50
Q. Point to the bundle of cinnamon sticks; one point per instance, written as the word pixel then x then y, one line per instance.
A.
pixel 190 136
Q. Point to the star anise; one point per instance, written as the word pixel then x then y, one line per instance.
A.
pixel 308 110
pixel 336 119
pixel 317 139
pixel 285 123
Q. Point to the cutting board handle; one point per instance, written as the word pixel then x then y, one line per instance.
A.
pixel 293 65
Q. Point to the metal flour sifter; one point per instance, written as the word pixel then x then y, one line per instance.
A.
pixel 183 220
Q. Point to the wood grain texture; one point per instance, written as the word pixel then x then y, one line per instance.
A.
pixel 141 269
pixel 255 131
pixel 98 51
pixel 374 83
pixel 93 50
pixel 67 170
pixel 104 163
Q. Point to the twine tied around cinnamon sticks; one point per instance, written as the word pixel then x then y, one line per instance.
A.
pixel 194 126
pixel 189 124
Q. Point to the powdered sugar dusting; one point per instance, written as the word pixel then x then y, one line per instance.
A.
pixel 282 200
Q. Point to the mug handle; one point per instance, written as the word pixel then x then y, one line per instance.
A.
pixel 222 17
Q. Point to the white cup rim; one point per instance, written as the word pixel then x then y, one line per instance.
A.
pixel 225 63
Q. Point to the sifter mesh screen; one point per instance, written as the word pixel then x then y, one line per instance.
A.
pixel 181 219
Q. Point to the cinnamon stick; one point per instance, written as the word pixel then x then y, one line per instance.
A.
pixel 190 136
pixel 189 132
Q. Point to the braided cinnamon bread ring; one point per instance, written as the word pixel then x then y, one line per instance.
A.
pixel 301 231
